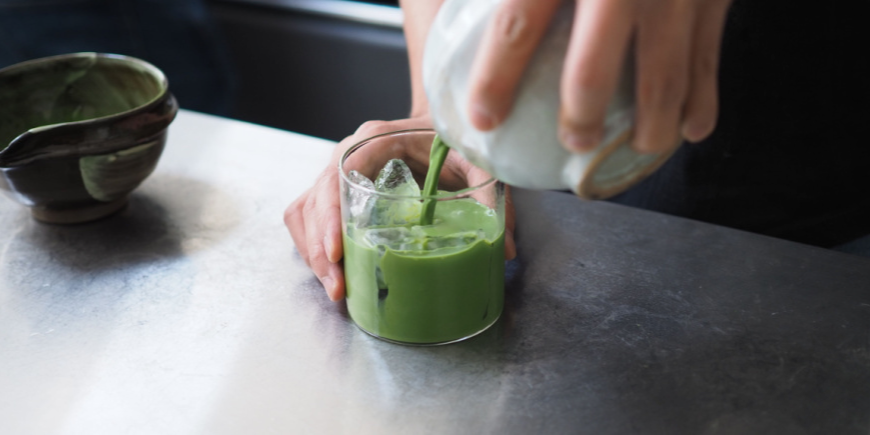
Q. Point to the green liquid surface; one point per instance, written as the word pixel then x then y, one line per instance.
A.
pixel 436 282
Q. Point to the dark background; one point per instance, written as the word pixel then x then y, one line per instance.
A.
pixel 312 74
pixel 789 157
pixel 265 62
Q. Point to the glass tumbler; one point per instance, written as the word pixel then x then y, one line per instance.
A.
pixel 416 282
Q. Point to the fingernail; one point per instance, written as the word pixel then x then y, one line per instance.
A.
pixel 329 247
pixel 694 132
pixel 482 117
pixel 580 141
pixel 643 147
pixel 328 285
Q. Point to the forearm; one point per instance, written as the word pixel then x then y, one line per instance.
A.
pixel 419 15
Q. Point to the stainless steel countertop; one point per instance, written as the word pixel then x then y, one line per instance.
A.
pixel 190 313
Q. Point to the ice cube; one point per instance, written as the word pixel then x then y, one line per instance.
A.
pixel 387 236
pixel 360 179
pixel 415 239
pixel 397 179
pixel 398 238
pixel 390 211
pixel 360 201
pixel 453 240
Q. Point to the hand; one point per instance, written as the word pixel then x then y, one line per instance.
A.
pixel 677 45
pixel 314 219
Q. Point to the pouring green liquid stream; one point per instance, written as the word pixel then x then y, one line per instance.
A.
pixel 437 156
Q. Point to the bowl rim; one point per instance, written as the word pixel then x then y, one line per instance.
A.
pixel 147 66
pixel 10 148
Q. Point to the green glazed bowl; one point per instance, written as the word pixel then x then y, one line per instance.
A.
pixel 79 132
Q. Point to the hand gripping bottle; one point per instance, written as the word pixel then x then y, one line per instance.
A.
pixel 525 150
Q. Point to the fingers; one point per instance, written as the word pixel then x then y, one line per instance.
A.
pixel 508 44
pixel 314 222
pixel 664 38
pixel 294 220
pixel 323 235
pixel 314 219
pixel 677 45
pixel 702 105
pixel 321 255
pixel 332 243
pixel 593 63
pixel 677 54
pixel 466 174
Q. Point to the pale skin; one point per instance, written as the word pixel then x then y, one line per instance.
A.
pixel 676 53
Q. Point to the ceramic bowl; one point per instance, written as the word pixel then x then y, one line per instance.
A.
pixel 79 132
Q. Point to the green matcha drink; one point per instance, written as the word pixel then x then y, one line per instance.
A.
pixel 421 269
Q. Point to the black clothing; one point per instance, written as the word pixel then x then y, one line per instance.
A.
pixel 790 156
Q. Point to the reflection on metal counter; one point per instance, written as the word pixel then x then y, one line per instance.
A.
pixel 190 312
